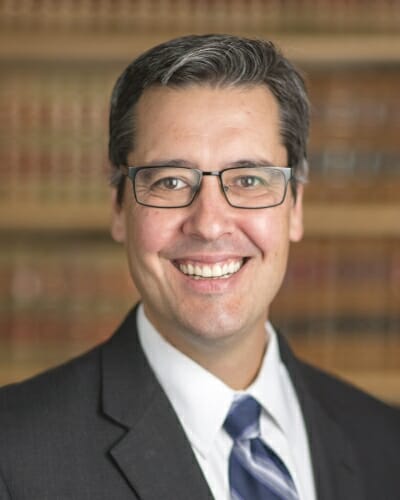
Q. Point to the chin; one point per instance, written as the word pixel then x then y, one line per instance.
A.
pixel 211 328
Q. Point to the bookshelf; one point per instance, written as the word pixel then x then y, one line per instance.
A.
pixel 64 285
pixel 171 16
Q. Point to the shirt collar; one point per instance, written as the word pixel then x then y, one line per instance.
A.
pixel 269 388
pixel 201 400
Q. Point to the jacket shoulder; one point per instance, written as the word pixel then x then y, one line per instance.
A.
pixel 51 390
pixel 335 392
pixel 341 399
pixel 371 423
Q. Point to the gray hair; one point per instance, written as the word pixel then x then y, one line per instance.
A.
pixel 216 60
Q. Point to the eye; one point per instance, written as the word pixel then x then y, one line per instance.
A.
pixel 169 183
pixel 248 181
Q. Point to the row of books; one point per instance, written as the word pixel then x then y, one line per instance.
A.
pixel 341 285
pixel 356 106
pixel 54 288
pixel 61 288
pixel 142 15
pixel 54 124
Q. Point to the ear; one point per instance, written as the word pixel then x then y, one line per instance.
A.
pixel 118 227
pixel 296 216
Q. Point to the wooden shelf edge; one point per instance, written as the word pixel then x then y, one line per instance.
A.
pixel 359 220
pixel 313 49
pixel 350 220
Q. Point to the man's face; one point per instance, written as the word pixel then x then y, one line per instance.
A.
pixel 210 129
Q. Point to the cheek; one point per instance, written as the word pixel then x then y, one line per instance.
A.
pixel 268 231
pixel 149 231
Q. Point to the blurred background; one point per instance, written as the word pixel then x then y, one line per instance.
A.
pixel 64 285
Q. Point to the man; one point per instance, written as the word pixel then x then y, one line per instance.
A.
pixel 196 396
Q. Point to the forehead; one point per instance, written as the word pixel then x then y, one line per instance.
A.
pixel 162 98
pixel 201 117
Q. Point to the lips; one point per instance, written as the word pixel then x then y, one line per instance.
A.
pixel 199 270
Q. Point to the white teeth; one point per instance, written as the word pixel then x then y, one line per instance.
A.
pixel 217 270
pixel 207 272
pixel 211 271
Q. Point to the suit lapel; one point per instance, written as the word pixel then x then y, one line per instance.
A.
pixel 336 471
pixel 154 454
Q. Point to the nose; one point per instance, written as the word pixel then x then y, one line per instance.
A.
pixel 209 216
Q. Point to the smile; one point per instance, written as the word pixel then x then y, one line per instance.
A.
pixel 211 271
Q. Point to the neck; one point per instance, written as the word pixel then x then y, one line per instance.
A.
pixel 235 361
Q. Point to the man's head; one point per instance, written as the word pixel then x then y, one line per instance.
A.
pixel 218 61
pixel 208 271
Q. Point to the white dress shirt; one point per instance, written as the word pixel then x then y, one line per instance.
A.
pixel 202 402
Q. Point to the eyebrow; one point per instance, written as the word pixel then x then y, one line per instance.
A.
pixel 173 162
pixel 251 163
pixel 178 162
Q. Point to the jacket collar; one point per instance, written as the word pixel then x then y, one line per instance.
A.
pixel 336 470
pixel 154 454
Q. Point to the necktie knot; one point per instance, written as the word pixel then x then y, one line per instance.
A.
pixel 242 421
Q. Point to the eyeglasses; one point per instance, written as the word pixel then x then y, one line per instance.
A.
pixel 176 187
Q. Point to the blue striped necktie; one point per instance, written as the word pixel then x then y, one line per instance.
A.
pixel 255 471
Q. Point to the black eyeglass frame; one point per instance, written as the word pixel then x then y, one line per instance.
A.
pixel 131 173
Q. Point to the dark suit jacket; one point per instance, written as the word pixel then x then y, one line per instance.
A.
pixel 100 427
